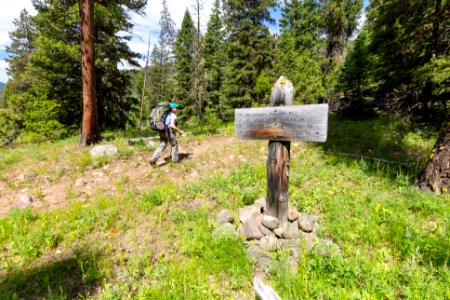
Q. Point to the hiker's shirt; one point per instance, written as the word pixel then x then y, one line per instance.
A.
pixel 169 130
pixel 169 119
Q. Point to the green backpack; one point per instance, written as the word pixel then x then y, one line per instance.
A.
pixel 158 115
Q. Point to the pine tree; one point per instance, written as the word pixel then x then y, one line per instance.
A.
pixel 198 80
pixel 299 55
pixel 340 20
pixel 215 59
pixel 168 32
pixel 163 59
pixel 249 48
pixel 158 69
pixel 410 66
pixel 184 62
pixel 354 76
pixel 57 57
pixel 89 125
pixel 30 114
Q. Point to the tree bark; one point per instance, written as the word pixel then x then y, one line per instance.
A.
pixel 436 174
pixel 89 131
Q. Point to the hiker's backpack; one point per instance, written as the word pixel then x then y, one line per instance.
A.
pixel 158 116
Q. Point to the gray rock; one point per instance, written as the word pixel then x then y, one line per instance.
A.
pixel 148 141
pixel 250 217
pixel 261 257
pixel 80 182
pixel 224 216
pixel 25 200
pixel 261 204
pixel 268 243
pixel 270 222
pixel 104 150
pixel 288 244
pixel 281 229
pixel 293 214
pixel 247 213
pixel 250 231
pixel 292 231
pixel 308 239
pixel 266 231
pixel 306 222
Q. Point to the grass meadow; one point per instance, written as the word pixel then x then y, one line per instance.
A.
pixel 393 239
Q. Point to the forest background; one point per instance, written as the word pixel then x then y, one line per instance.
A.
pixel 399 63
pixel 75 226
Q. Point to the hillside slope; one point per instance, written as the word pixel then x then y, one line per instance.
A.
pixel 115 228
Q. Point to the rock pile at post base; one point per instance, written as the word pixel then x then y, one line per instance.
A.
pixel 265 235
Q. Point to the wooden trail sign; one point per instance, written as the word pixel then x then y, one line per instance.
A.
pixel 280 125
pixel 283 123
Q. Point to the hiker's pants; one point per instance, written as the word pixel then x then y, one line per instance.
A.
pixel 166 136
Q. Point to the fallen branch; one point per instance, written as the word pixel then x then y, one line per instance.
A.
pixel 263 291
pixel 10 139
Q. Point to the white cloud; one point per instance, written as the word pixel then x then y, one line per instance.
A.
pixel 3 65
pixel 8 13
pixel 149 25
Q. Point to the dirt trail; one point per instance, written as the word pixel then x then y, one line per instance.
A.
pixel 198 159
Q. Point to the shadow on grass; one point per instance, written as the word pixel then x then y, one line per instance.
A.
pixel 381 143
pixel 68 278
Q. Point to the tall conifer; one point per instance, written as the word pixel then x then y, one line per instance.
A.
pixel 184 51
pixel 214 59
pixel 249 47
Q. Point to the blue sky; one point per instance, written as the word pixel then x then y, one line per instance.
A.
pixel 143 25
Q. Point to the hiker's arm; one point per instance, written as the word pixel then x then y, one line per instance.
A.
pixel 174 127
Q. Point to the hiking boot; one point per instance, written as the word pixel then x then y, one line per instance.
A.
pixel 152 162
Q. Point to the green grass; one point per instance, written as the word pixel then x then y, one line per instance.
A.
pixel 394 240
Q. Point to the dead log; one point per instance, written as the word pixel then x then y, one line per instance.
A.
pixel 263 291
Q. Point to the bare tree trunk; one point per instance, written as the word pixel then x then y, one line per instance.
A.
pixel 89 130
pixel 141 121
pixel 436 174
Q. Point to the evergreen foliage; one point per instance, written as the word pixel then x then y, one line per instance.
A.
pixel 340 20
pixel 45 64
pixel 249 49
pixel 162 60
pixel 215 60
pixel 409 40
pixel 299 53
pixel 184 51
pixel 198 80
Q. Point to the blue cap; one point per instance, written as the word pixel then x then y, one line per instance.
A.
pixel 174 105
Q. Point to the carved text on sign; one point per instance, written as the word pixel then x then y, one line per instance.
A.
pixel 283 123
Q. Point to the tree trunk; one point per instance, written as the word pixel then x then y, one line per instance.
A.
pixel 436 174
pixel 89 130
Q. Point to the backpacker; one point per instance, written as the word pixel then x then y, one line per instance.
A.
pixel 158 116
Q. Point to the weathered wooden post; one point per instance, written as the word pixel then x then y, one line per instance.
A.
pixel 280 125
pixel 278 158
